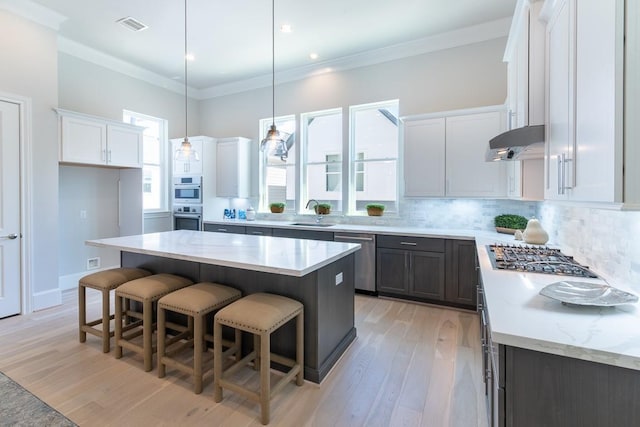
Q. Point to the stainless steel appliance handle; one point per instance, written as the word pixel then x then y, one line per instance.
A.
pixel 187 216
pixel 362 239
pixel 11 236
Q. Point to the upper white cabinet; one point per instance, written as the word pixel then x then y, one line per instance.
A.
pixel 233 174
pixel 200 145
pixel 525 56
pixel 444 154
pixel 585 51
pixel 91 140
pixel 424 160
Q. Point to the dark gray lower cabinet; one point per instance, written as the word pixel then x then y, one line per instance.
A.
pixel 427 269
pixel 303 234
pixel 462 273
pixel 224 228
pixel 415 274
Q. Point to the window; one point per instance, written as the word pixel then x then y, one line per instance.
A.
pixel 322 169
pixel 374 155
pixel 154 170
pixel 278 178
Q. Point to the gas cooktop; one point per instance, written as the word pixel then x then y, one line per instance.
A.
pixel 536 259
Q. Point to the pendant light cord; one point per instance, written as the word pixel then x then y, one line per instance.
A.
pixel 186 102
pixel 273 63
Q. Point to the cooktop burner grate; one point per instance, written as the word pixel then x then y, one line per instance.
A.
pixel 536 259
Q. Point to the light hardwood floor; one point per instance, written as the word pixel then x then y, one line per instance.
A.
pixel 411 365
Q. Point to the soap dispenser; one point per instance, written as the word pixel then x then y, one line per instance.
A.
pixel 251 214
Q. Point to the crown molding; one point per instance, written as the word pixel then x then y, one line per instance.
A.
pixel 465 36
pixel 102 59
pixel 34 12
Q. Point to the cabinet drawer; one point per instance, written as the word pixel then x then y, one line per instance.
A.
pixel 222 228
pixel 260 231
pixel 411 243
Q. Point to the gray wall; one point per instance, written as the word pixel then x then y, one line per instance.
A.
pixel 29 69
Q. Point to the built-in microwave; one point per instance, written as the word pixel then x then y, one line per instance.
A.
pixel 187 189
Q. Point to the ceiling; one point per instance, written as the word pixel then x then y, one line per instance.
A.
pixel 231 40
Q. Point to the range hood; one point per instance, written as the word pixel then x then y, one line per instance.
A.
pixel 517 144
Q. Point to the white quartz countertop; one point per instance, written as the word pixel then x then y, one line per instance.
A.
pixel 519 316
pixel 292 257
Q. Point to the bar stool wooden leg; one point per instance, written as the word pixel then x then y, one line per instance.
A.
pixel 106 319
pixel 198 342
pixel 265 377
pixel 162 369
pixel 82 312
pixel 118 328
pixel 300 348
pixel 147 334
pixel 217 361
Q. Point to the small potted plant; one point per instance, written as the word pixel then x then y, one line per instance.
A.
pixel 277 207
pixel 323 209
pixel 509 223
pixel 375 209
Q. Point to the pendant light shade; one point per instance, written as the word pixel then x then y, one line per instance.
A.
pixel 275 143
pixel 185 152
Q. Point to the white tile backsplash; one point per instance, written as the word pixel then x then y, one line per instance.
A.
pixel 608 241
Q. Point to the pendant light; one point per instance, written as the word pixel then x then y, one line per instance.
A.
pixel 185 152
pixel 275 142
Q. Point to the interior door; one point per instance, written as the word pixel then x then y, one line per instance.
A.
pixel 9 209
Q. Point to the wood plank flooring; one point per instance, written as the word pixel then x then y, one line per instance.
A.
pixel 411 365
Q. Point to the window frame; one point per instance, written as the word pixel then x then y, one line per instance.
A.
pixel 163 155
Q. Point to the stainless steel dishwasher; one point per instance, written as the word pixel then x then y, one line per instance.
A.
pixel 365 268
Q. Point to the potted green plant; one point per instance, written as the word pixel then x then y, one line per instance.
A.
pixel 375 209
pixel 323 209
pixel 277 207
pixel 509 223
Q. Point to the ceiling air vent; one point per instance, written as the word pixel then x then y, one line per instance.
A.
pixel 132 24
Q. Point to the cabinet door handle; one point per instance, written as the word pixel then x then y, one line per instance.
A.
pixel 362 239
pixel 221 229
pixel 103 155
pixel 560 176
pixel 257 232
pixel 409 243
pixel 109 156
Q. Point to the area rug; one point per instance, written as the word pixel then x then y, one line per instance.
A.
pixel 20 408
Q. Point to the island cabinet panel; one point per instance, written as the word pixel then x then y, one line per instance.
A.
pixel 462 273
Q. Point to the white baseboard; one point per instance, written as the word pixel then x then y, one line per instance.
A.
pixel 47 299
pixel 70 281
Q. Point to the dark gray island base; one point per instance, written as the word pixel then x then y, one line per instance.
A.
pixel 328 307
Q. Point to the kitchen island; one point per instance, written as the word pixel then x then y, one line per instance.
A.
pixel 318 274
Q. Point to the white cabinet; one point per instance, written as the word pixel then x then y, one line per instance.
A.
pixel 424 160
pixel 468 174
pixel 444 154
pixel 233 175
pixel 526 95
pixel 91 140
pixel 186 167
pixel 584 153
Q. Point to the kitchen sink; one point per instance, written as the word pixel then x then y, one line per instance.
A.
pixel 312 224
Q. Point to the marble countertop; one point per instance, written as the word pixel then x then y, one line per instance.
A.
pixel 519 316
pixel 292 257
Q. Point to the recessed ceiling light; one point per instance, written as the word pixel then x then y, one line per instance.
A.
pixel 190 57
pixel 132 23
pixel 313 55
pixel 285 28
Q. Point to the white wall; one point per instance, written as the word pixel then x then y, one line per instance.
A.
pixel 28 53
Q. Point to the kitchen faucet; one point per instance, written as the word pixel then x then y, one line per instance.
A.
pixel 315 208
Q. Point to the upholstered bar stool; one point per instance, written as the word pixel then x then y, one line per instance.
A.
pixel 146 291
pixel 195 301
pixel 259 314
pixel 103 281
